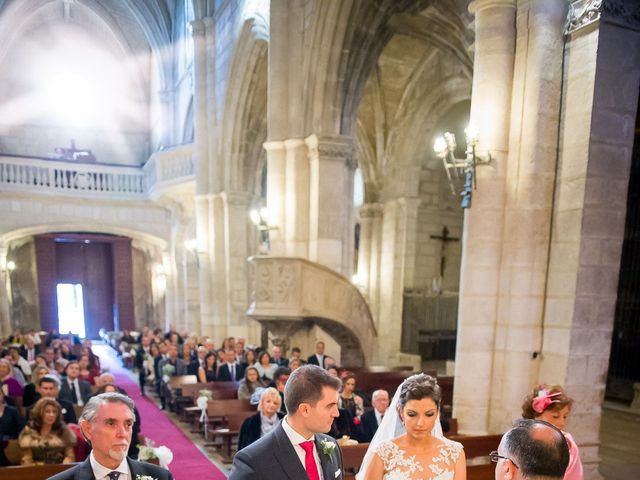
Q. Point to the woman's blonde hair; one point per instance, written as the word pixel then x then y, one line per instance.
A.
pixel 269 392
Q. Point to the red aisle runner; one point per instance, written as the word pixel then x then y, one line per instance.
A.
pixel 188 462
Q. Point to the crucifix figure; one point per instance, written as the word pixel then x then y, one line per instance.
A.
pixel 445 238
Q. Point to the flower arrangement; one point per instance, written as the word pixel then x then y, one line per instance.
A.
pixel 149 451
pixel 205 393
pixel 168 371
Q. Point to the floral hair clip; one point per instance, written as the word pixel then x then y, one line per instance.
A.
pixel 543 400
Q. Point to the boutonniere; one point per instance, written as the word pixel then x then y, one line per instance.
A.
pixel 144 477
pixel 327 446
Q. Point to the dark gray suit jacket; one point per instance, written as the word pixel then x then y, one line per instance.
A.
pixel 274 458
pixel 84 471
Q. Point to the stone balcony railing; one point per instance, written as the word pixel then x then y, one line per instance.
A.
pixel 169 168
pixel 70 178
pixel 39 175
pixel 294 293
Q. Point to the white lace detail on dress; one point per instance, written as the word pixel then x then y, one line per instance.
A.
pixel 397 466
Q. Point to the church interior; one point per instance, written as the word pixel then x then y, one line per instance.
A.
pixel 447 186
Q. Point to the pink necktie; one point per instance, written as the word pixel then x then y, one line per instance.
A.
pixel 310 462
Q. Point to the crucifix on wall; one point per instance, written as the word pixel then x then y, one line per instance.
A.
pixel 445 239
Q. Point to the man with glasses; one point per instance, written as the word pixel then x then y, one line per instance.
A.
pixel 531 449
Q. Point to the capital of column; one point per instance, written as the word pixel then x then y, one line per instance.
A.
pixel 242 199
pixel 338 148
pixel 478 5
pixel 198 28
pixel 274 145
pixel 371 210
pixel 582 13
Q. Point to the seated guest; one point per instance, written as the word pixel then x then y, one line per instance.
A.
pixel 46 439
pixel 349 400
pixel 74 389
pixel 249 383
pixel 280 377
pixel 267 418
pixel 369 421
pixel 16 359
pixel 29 351
pixel 296 354
pixel 207 372
pixel 531 449
pixel 230 371
pixel 333 371
pixel 7 382
pixel 60 365
pixel 94 360
pixel 30 389
pixel 49 386
pixel 239 349
pixel 319 358
pixel 16 371
pixel 250 357
pixel 294 363
pixel 277 357
pixel 265 366
pixel 197 362
pixel 11 424
pixel 343 425
pixel 65 352
pixel 86 374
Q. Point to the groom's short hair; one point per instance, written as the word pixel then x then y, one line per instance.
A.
pixel 305 386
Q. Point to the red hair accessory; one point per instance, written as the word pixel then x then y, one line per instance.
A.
pixel 543 400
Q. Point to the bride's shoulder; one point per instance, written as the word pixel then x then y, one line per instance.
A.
pixel 387 447
pixel 451 448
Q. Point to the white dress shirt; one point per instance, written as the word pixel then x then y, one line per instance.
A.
pixel 378 416
pixel 296 439
pixel 101 472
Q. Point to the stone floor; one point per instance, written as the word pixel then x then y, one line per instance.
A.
pixel 619 443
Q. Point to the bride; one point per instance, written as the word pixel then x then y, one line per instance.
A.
pixel 409 444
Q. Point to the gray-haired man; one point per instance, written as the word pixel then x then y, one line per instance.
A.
pixel 106 423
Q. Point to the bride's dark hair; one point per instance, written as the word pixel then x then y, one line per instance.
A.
pixel 417 387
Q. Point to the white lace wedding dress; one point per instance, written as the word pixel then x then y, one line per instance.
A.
pixel 399 466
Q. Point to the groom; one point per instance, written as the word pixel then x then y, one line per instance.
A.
pixel 298 449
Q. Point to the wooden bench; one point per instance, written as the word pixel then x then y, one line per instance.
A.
pixel 34 472
pixel 229 432
pixel 218 410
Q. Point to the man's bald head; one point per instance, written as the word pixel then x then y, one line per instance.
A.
pixel 537 448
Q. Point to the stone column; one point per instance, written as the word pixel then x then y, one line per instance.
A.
pixel 166 98
pixel 398 216
pixel 237 272
pixel 297 186
pixel 5 318
pixel 484 222
pixel 201 148
pixel 369 249
pixel 529 202
pixel 277 194
pixel 331 202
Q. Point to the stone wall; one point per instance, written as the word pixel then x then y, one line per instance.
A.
pixel 23 286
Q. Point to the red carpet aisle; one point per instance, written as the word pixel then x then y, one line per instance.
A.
pixel 188 462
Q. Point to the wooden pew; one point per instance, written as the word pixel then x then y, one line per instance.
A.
pixel 231 431
pixel 352 456
pixel 218 410
pixel 33 472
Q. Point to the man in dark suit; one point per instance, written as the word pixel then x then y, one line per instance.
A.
pixel 143 353
pixel 74 389
pixel 319 358
pixel 29 351
pixel 48 387
pixel 106 423
pixel 231 370
pixel 196 363
pixel 277 357
pixel 369 421
pixel 298 447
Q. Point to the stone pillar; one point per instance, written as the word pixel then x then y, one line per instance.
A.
pixel 297 186
pixel 5 318
pixel 530 179
pixel 201 148
pixel 277 195
pixel 398 217
pixel 369 250
pixel 166 98
pixel 596 142
pixel 484 222
pixel 331 203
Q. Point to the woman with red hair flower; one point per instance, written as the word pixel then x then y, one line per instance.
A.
pixel 551 404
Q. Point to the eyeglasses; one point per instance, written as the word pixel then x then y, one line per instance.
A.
pixel 494 456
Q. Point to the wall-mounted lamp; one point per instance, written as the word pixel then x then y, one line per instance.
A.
pixel 191 246
pixel 461 168
pixel 260 219
pixel 11 266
